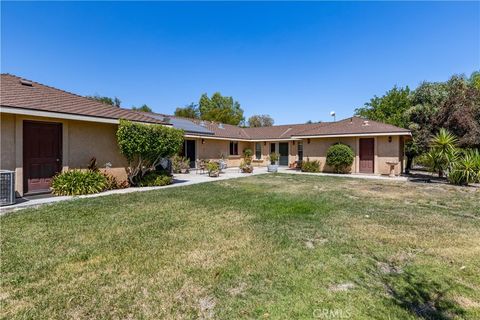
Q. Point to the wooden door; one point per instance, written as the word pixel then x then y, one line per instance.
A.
pixel 367 154
pixel 42 155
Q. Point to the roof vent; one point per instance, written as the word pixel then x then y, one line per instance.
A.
pixel 365 123
pixel 220 126
pixel 166 119
pixel 202 123
pixel 26 83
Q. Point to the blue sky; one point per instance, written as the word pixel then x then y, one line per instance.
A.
pixel 294 61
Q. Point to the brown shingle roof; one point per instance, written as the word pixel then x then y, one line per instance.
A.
pixel 352 126
pixel 44 98
pixel 282 131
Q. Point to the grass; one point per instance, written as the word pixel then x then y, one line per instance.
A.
pixel 269 246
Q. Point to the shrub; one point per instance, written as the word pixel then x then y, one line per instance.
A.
pixel 443 152
pixel 247 153
pixel 144 146
pixel 213 168
pixel 311 166
pixel 112 183
pixel 340 157
pixel 274 158
pixel 466 168
pixel 77 182
pixel 180 164
pixel 155 179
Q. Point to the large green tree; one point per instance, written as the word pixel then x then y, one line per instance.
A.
pixel 389 108
pixel 189 111
pixel 220 108
pixel 261 120
pixel 143 108
pixel 115 102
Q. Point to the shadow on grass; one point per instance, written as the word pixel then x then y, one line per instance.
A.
pixel 423 298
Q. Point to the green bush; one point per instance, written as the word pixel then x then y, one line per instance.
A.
pixel 311 166
pixel 77 182
pixel 180 164
pixel 274 158
pixel 340 157
pixel 466 168
pixel 247 153
pixel 144 146
pixel 155 179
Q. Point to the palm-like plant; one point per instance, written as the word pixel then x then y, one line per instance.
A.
pixel 466 169
pixel 443 151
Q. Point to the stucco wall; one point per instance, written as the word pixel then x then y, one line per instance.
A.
pixel 213 149
pixel 388 152
pixel 385 151
pixel 80 141
pixel 317 150
pixel 90 139
pixel 7 142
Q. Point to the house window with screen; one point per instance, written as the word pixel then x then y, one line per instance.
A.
pixel 258 150
pixel 300 151
pixel 233 148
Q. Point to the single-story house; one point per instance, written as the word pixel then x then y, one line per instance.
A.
pixel 45 130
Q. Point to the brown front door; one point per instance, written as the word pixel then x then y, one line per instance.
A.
pixel 42 155
pixel 367 147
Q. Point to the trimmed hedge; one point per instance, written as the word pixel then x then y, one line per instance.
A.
pixel 155 179
pixel 340 157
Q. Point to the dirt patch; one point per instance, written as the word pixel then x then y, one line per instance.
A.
pixel 341 287
pixel 238 290
pixel 206 305
pixel 387 268
pixel 467 303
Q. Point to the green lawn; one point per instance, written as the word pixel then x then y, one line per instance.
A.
pixel 268 246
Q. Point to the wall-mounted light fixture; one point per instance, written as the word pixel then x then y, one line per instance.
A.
pixel 389 138
pixel 264 143
pixel 203 141
pixel 308 141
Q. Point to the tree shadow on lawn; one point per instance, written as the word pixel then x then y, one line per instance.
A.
pixel 423 298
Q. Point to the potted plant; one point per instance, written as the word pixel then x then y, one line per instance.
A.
pixel 246 164
pixel 273 166
pixel 213 169
pixel 180 164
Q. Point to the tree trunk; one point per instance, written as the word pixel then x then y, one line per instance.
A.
pixel 408 166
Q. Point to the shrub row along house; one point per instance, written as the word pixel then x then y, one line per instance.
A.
pixel 45 130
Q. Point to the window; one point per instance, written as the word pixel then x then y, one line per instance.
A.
pixel 233 148
pixel 300 151
pixel 258 150
pixel 272 147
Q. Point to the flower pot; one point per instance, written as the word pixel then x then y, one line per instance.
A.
pixel 214 174
pixel 272 168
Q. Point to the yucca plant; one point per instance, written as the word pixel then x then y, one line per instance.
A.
pixel 443 152
pixel 466 169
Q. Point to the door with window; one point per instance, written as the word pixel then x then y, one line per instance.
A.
pixel 367 155
pixel 283 151
pixel 42 155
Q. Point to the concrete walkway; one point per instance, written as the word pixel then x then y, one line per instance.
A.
pixel 179 181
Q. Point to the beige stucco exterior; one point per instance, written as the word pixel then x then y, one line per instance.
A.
pixel 81 140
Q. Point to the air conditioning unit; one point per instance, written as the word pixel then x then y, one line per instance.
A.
pixel 7 187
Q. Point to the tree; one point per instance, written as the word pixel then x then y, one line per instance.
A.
pixel 460 111
pixel 263 120
pixel 443 151
pixel 143 108
pixel 475 79
pixel 389 108
pixel 144 146
pixel 220 109
pixel 106 100
pixel 189 111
